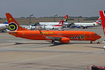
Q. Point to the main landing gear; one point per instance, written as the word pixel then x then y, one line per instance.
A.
pixel 53 42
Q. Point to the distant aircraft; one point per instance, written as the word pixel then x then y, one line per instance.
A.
pixel 69 25
pixel 86 25
pixel 4 26
pixel 50 25
pixel 58 26
pixel 61 36
pixel 54 23
pixel 102 15
pixel 47 27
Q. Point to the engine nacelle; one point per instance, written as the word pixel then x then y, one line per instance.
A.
pixel 78 26
pixel 64 40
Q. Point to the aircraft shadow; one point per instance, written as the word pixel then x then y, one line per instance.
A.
pixel 17 43
pixel 95 47
pixel 56 44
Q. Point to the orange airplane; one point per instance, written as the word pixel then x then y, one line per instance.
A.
pixel 61 36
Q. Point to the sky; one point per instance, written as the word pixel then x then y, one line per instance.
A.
pixel 47 8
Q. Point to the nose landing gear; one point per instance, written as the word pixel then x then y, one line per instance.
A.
pixel 92 42
pixel 98 42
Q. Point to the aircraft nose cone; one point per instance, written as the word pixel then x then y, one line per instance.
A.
pixel 98 36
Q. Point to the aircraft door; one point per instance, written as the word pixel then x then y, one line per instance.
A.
pixel 58 34
pixel 90 35
pixel 23 34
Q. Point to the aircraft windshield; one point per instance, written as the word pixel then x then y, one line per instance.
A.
pixel 95 34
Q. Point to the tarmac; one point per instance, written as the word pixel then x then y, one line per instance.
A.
pixel 23 54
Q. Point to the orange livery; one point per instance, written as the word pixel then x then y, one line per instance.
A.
pixel 61 36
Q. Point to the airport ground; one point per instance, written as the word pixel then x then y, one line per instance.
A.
pixel 23 54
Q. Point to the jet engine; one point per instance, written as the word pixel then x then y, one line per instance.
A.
pixel 64 40
pixel 78 26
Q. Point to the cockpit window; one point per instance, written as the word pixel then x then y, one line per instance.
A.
pixel 95 34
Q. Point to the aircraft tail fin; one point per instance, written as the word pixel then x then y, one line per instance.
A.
pixel 13 25
pixel 60 23
pixel 65 18
pixel 6 22
pixel 99 21
pixel 102 15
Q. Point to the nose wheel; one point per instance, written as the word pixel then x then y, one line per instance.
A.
pixel 90 42
pixel 98 42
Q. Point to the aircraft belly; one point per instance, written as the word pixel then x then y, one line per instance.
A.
pixel 40 37
pixel 2 28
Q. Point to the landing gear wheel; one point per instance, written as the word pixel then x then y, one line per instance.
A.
pixel 53 42
pixel 90 42
pixel 98 42
pixel 2 31
pixel 85 27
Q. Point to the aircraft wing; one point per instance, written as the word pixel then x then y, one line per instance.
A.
pixel 50 37
pixel 54 38
pixel 84 25
pixel 60 39
pixel 87 26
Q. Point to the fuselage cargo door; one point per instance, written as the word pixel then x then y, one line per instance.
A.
pixel 90 35
pixel 23 34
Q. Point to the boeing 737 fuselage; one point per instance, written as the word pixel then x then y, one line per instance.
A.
pixel 61 36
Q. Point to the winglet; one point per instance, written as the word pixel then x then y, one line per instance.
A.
pixel 41 32
pixel 102 15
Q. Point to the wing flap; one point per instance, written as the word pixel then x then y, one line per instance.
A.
pixel 53 38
